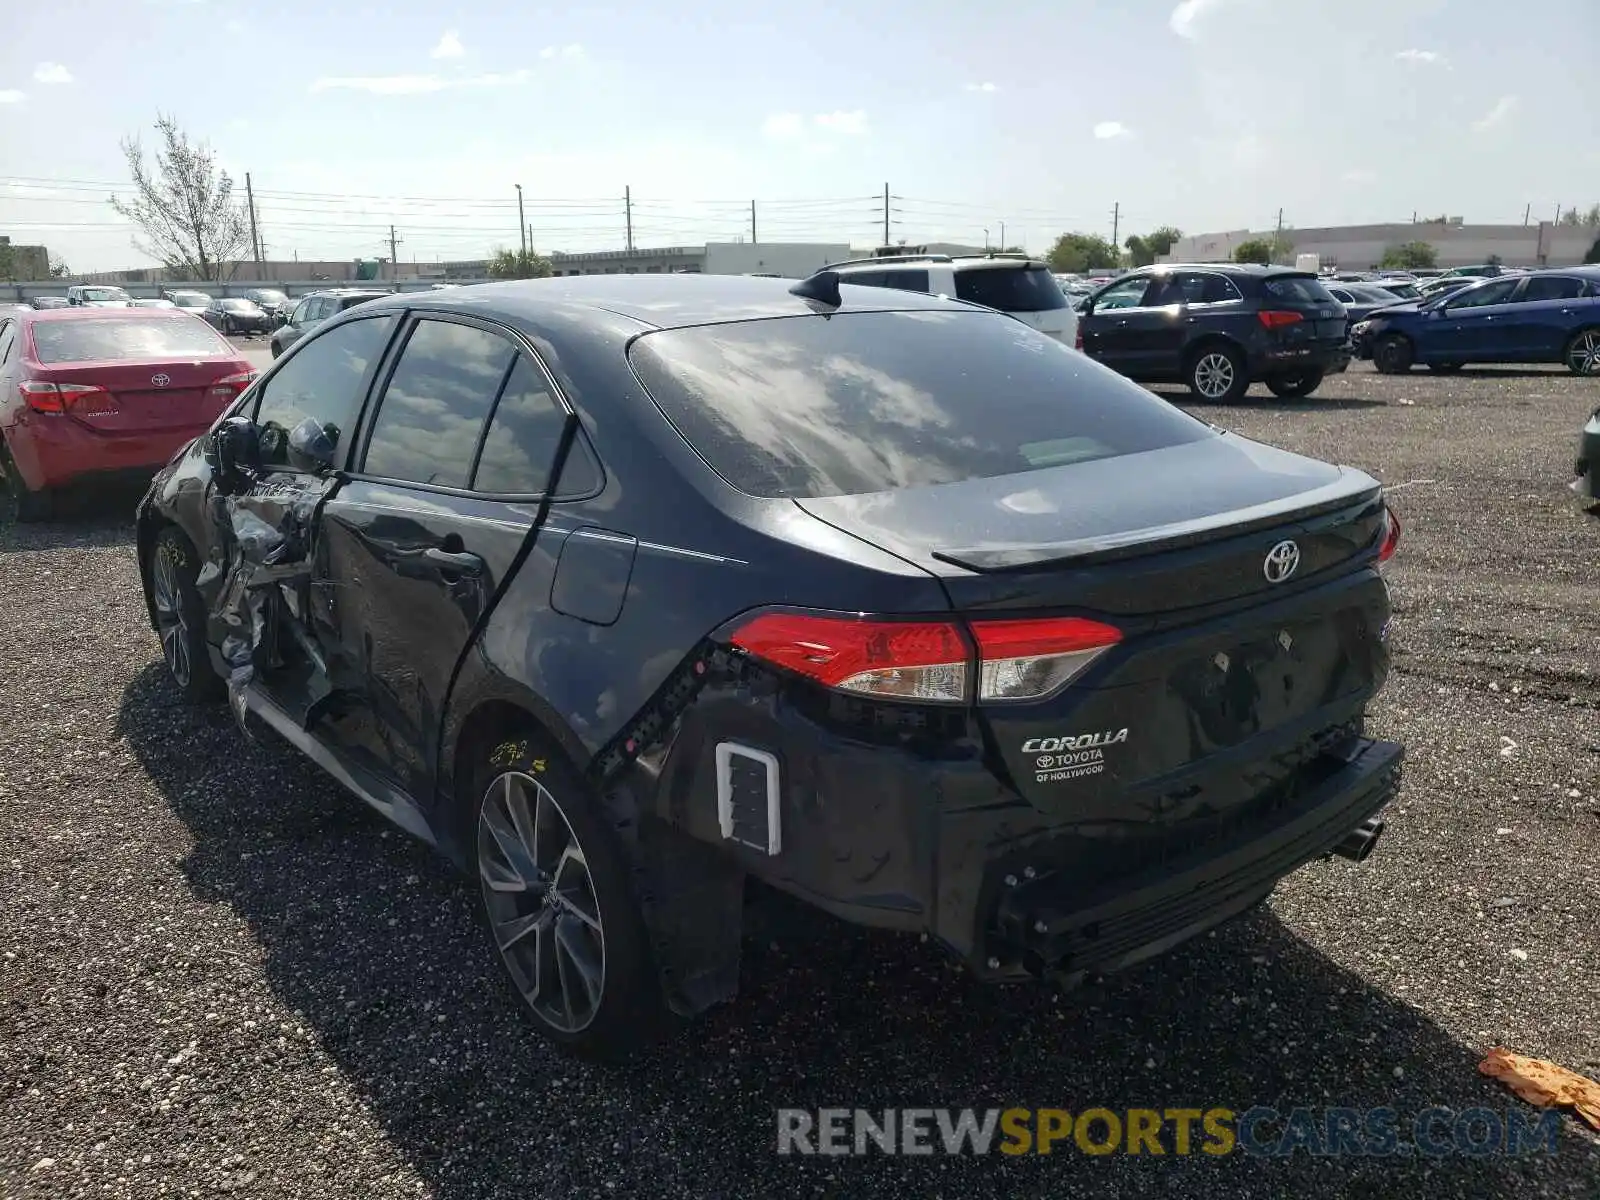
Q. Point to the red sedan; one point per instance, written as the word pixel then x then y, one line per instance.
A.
pixel 99 392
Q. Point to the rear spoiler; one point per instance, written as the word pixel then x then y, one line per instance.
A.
pixel 1352 490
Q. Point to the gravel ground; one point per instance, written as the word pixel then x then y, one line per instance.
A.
pixel 222 974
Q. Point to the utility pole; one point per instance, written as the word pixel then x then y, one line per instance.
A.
pixel 1526 213
pixel 255 238
pixel 1002 237
pixel 528 232
pixel 886 216
pixel 1116 220
pixel 394 263
pixel 522 222
pixel 752 222
pixel 627 206
pixel 1278 232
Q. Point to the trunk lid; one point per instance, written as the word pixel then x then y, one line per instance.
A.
pixel 188 395
pixel 1225 680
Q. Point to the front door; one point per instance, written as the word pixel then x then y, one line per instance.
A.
pixel 1110 331
pixel 461 445
pixel 1473 326
pixel 265 617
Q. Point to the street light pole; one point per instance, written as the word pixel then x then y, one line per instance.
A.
pixel 522 222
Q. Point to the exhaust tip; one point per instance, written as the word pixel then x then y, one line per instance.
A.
pixel 1359 843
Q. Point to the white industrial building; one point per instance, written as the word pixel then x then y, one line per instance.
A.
pixel 1361 247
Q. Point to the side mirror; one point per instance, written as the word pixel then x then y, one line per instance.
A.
pixel 312 447
pixel 234 455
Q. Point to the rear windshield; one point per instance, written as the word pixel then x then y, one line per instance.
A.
pixel 350 301
pixel 869 402
pixel 104 293
pixel 268 297
pixel 1298 289
pixel 238 305
pixel 1010 289
pixel 125 338
pixel 199 298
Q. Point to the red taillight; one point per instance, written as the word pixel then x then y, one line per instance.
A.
pixel 1277 318
pixel 230 386
pixel 1391 536
pixel 929 660
pixel 57 398
pixel 1077 338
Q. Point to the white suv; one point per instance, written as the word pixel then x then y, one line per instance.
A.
pixel 1020 286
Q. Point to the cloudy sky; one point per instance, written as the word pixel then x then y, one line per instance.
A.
pixel 1043 114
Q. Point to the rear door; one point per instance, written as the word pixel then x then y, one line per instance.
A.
pixel 1544 315
pixel 456 454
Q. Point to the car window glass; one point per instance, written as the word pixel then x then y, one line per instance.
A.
pixel 322 381
pixel 874 401
pixel 1129 293
pixel 302 312
pixel 1297 289
pixel 523 434
pixel 908 281
pixel 1552 287
pixel 8 338
pixel 867 278
pixel 1011 289
pixel 1497 292
pixel 432 412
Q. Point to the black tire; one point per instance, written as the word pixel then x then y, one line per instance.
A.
pixel 18 501
pixel 1582 352
pixel 1448 368
pixel 227 326
pixel 1292 387
pixel 555 802
pixel 275 348
pixel 1216 373
pixel 181 617
pixel 1393 354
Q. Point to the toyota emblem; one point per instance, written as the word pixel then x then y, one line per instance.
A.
pixel 160 380
pixel 1281 562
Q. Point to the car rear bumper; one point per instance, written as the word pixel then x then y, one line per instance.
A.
pixel 1329 358
pixel 52 452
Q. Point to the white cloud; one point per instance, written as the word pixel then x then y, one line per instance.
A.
pixel 788 126
pixel 49 72
pixel 415 85
pixel 572 50
pixel 982 87
pixel 11 96
pixel 1183 18
pixel 1421 57
pixel 853 122
pixel 1111 129
pixel 1496 116
pixel 449 46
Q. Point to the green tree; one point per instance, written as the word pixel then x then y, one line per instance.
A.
pixel 1572 218
pixel 518 264
pixel 1256 250
pixel 8 261
pixel 59 269
pixel 182 207
pixel 1441 219
pixel 1162 238
pixel 1409 256
pixel 1139 252
pixel 1077 252
pixel 1594 252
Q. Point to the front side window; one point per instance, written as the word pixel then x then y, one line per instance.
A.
pixel 432 413
pixel 1497 292
pixel 1128 293
pixel 324 381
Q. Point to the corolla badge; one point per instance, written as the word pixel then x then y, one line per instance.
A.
pixel 1282 561
pixel 160 380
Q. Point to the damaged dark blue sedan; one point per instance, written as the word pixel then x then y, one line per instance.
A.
pixel 620 590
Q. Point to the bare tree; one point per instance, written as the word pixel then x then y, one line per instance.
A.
pixel 183 206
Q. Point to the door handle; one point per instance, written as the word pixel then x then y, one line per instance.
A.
pixel 456 562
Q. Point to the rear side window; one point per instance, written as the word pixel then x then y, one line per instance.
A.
pixel 906 281
pixel 432 413
pixel 8 337
pixel 350 302
pixel 520 446
pixel 125 338
pixel 1297 289
pixel 1552 287
pixel 1010 289
pixel 869 402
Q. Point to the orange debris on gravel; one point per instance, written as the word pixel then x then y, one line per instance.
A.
pixel 1544 1083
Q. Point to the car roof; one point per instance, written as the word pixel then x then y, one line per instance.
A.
pixel 656 301
pixel 954 262
pixel 1230 268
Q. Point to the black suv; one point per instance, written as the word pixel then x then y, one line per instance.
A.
pixel 1218 327
pixel 622 589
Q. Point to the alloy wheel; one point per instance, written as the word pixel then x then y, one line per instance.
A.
pixel 541 902
pixel 166 590
pixel 1213 375
pixel 1583 356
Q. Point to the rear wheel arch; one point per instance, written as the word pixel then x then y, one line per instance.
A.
pixel 1210 341
pixel 474 735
